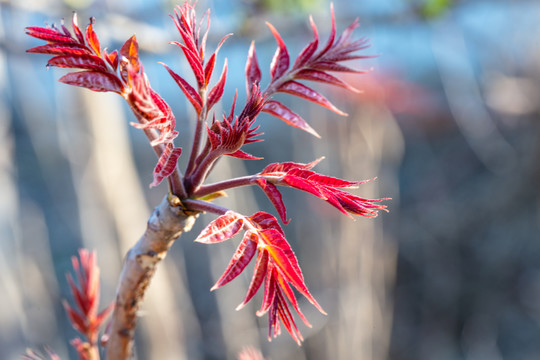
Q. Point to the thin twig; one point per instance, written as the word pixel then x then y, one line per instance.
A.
pixel 226 184
pixel 204 206
pixel 197 138
pixel 176 184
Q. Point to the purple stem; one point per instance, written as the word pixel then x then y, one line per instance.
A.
pixel 201 171
pixel 226 184
pixel 205 206
pixel 274 85
pixel 197 137
pixel 176 184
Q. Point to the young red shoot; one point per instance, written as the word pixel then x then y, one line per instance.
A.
pixel 276 268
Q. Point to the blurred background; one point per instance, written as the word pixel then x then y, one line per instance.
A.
pixel 448 122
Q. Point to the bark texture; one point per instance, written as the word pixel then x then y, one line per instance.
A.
pixel 165 225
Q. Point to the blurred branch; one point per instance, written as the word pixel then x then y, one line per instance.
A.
pixel 466 103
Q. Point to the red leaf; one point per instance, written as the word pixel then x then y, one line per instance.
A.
pixel 282 112
pixel 241 258
pixel 274 195
pixel 324 187
pixel 301 90
pixel 332 35
pixel 280 307
pixel 310 49
pixel 253 72
pixel 213 137
pixel 76 29
pixel 259 273
pixel 166 164
pixel 104 314
pixel 75 318
pixel 162 108
pixel 166 136
pixel 321 76
pixel 202 45
pixel 244 155
pixel 280 61
pixel 130 50
pixel 332 66
pixel 50 35
pixel 221 229
pixel 59 49
pixel 266 221
pixel 269 288
pixel 282 255
pixel 331 198
pixel 209 67
pixel 194 62
pixel 151 110
pixel 274 327
pixel 359 206
pixel 92 39
pixel 153 113
pixel 96 81
pixel 184 23
pixel 285 260
pixel 84 61
pixel 284 285
pixel 276 265
pixel 81 300
pixel 332 181
pixel 343 40
pixel 217 91
pixel 282 168
pixel 112 58
pixel 191 94
pixel 303 184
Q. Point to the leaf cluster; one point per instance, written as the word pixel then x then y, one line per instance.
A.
pixel 276 270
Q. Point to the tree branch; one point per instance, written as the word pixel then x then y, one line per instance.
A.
pixel 165 225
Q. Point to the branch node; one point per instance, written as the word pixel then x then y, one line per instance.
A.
pixel 148 261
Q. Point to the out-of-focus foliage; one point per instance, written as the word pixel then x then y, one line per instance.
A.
pixel 435 8
pixel 287 6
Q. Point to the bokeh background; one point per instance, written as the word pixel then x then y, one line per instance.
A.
pixel 448 122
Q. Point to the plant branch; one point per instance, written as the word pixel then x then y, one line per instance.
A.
pixel 200 173
pixel 225 184
pixel 198 135
pixel 276 83
pixel 165 225
pixel 204 206
pixel 176 184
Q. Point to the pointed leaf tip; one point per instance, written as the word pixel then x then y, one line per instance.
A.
pixel 96 81
pixel 191 94
pixel 302 91
pixel 241 258
pixel 282 112
pixel 280 61
pixel 274 195
pixel 217 91
pixel 323 77
pixel 92 39
pixel 253 72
